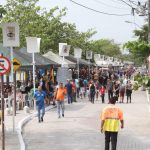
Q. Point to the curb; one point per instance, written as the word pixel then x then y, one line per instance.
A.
pixel 23 122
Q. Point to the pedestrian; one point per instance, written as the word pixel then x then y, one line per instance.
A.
pixel 122 92
pixel 102 93
pixel 60 96
pixel 111 118
pixel 69 91
pixel 116 89
pixel 74 91
pixel 128 91
pixel 110 88
pixel 40 96
pixel 92 92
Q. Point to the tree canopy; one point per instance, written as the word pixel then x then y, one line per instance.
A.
pixel 47 24
pixel 140 48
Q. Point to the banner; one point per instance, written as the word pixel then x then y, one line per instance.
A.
pixel 96 57
pixel 64 49
pixel 77 53
pixel 10 35
pixel 33 44
pixel 63 74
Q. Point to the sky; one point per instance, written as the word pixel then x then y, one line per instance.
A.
pixel 107 26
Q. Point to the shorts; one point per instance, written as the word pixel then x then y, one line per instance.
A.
pixel 122 94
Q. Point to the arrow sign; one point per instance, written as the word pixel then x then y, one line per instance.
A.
pixel 4 65
pixel 16 64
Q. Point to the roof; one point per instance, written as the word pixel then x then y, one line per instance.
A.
pixel 26 58
pixel 39 59
pixel 58 59
pixel 81 61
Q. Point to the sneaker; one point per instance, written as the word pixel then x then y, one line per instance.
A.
pixel 62 115
pixel 39 120
pixel 59 117
pixel 42 119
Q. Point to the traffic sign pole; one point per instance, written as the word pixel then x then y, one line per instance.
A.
pixel 2 102
pixel 12 80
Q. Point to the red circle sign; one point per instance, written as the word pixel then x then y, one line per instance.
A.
pixel 4 65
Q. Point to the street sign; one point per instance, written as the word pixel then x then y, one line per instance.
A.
pixel 16 64
pixel 10 34
pixel 4 65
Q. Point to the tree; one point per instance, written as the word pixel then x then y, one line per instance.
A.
pixel 38 22
pixel 106 47
pixel 139 49
pixel 142 33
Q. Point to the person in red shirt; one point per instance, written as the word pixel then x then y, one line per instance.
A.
pixel 102 93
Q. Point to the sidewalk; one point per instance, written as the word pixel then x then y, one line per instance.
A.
pixel 11 137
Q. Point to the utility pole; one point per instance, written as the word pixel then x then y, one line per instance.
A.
pixel 148 21
pixel 149 31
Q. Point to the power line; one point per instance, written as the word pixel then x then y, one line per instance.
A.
pixel 98 1
pixel 101 12
pixel 132 2
pixel 126 3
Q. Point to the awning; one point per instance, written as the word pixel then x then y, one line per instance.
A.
pixel 81 61
pixel 58 59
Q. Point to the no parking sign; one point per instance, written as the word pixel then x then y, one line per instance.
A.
pixel 4 65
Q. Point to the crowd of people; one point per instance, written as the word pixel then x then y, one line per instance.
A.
pixel 93 87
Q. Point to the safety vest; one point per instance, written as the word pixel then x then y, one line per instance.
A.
pixel 112 121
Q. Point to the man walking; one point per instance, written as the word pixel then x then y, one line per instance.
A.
pixel 69 91
pixel 60 96
pixel 110 120
pixel 40 96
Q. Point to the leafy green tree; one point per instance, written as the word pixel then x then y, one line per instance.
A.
pixel 139 49
pixel 142 34
pixel 38 22
pixel 106 47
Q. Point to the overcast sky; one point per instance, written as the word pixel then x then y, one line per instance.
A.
pixel 107 26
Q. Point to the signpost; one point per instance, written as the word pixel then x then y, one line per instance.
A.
pixel 11 39
pixel 33 46
pixel 89 57
pixel 64 50
pixel 4 68
pixel 16 64
pixel 77 54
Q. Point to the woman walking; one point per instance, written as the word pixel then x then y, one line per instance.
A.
pixel 102 93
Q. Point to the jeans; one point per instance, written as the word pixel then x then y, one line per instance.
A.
pixel 102 96
pixel 69 95
pixel 74 97
pixel 110 94
pixel 60 107
pixel 111 136
pixel 41 112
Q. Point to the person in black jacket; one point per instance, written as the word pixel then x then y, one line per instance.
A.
pixel 92 92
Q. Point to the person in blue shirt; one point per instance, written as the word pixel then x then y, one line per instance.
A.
pixel 40 96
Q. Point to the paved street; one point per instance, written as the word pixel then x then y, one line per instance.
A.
pixel 79 130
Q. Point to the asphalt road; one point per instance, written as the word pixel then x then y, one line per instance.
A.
pixel 79 129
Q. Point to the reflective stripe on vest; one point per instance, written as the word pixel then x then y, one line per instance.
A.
pixel 111 125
